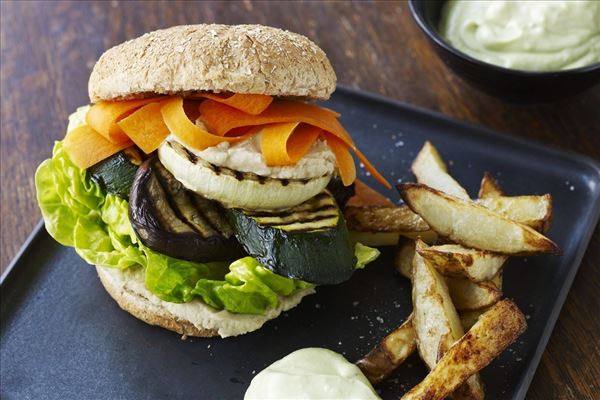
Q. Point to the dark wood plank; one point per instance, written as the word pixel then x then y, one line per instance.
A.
pixel 48 49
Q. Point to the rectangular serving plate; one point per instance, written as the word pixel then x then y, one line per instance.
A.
pixel 62 336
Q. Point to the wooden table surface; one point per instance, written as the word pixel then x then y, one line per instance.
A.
pixel 49 48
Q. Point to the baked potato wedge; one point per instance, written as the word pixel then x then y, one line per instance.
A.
pixel 456 260
pixel 473 225
pixel 469 317
pixel 430 170
pixel 383 219
pixel 389 353
pixel 465 294
pixel 470 296
pixel 533 211
pixel 494 331
pixel 383 225
pixel 489 187
pixel 403 259
pixel 436 322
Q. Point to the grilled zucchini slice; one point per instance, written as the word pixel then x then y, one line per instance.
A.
pixel 115 174
pixel 308 242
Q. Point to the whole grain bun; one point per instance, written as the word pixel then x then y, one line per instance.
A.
pixel 195 318
pixel 218 58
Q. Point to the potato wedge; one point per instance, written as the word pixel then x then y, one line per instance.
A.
pixel 435 318
pixel 492 333
pixel 429 169
pixel 470 296
pixel 383 225
pixel 468 318
pixel 403 259
pixel 383 219
pixel 533 211
pixel 489 187
pixel 389 353
pixel 497 280
pixel 456 260
pixel 378 239
pixel 465 294
pixel 473 225
pixel 436 322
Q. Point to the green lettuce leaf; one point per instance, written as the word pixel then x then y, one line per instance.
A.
pixel 77 213
pixel 364 255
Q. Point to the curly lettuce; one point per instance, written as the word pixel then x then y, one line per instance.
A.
pixel 79 214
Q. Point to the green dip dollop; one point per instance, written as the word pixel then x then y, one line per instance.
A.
pixel 525 35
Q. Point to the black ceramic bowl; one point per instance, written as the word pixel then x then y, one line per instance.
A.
pixel 509 84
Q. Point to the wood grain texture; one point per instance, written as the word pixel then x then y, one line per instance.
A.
pixel 48 49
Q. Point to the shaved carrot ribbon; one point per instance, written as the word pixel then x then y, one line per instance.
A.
pixel 343 159
pixel 365 196
pixel 287 143
pixel 189 133
pixel 103 117
pixel 87 147
pixel 221 119
pixel 146 127
pixel 300 142
pixel 289 129
pixel 252 104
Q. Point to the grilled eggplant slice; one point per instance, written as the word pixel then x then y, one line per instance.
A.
pixel 115 174
pixel 174 221
pixel 308 242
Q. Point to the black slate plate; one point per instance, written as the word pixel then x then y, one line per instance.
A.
pixel 62 337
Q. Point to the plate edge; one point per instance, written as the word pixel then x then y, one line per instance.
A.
pixel 39 227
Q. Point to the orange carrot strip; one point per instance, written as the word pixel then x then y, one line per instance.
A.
pixel 145 127
pixel 252 104
pixel 221 119
pixel 343 158
pixel 301 141
pixel 369 167
pixel 189 133
pixel 273 142
pixel 103 117
pixel 87 147
pixel 366 196
pixel 287 143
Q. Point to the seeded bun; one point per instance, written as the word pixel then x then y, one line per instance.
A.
pixel 195 318
pixel 184 59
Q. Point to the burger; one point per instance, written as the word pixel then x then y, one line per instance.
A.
pixel 202 181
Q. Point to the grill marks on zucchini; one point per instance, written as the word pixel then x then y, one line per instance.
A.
pixel 317 213
pixel 308 242
pixel 174 221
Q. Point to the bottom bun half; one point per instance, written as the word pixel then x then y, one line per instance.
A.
pixel 189 319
